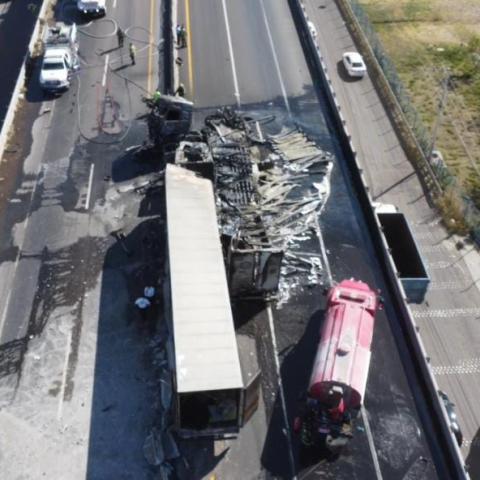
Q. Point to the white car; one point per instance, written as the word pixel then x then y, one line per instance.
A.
pixel 55 72
pixel 92 7
pixel 354 64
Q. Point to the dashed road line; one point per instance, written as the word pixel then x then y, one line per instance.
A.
pixel 439 265
pixel 105 70
pixel 449 285
pixel 447 313
pixel 433 248
pixel 89 189
pixel 68 349
pixel 232 58
pixel 425 235
pixel 275 58
pixel 373 451
pixel 281 391
pixel 471 366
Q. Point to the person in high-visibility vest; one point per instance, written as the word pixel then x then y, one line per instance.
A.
pixel 133 53
pixel 120 37
pixel 156 96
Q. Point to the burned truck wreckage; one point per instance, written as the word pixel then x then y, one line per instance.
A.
pixel 269 189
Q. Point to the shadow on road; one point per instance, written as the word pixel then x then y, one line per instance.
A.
pixel 295 372
pixel 126 377
pixel 473 458
pixel 134 163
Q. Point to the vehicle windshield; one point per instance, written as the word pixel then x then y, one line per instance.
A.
pixel 357 64
pixel 53 66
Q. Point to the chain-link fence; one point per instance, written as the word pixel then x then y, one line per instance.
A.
pixel 422 134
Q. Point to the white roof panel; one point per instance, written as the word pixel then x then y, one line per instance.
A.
pixel 206 352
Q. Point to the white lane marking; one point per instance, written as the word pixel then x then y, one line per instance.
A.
pixel 232 58
pixel 282 392
pixel 368 431
pixel 323 251
pixel 89 190
pixel 465 367
pixel 441 264
pixel 7 300
pixel 105 69
pixel 114 3
pixel 451 285
pixel 275 59
pixel 64 376
pixel 448 313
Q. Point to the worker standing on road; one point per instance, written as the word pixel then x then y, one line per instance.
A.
pixel 184 36
pixel 143 304
pixel 180 91
pixel 178 31
pixel 120 37
pixel 133 53
pixel 156 96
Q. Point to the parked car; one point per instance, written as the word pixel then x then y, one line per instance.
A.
pixel 452 417
pixel 354 64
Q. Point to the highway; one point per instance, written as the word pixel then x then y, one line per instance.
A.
pixel 65 290
pixel 79 378
pixel 448 319
pixel 247 54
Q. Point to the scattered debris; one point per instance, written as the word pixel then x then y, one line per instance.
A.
pixel 166 389
pixel 169 116
pixel 270 190
pixel 152 448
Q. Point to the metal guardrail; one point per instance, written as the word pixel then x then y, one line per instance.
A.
pixel 435 419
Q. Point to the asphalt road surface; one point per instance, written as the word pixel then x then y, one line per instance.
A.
pixel 70 354
pixel 448 319
pixel 247 54
pixel 70 357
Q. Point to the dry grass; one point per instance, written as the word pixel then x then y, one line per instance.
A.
pixel 423 37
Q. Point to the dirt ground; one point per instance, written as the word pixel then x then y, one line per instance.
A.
pixel 430 41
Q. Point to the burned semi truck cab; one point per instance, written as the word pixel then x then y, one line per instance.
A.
pixel 339 376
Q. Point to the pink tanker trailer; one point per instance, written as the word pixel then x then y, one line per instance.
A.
pixel 339 375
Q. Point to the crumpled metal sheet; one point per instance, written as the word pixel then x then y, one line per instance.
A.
pixel 270 191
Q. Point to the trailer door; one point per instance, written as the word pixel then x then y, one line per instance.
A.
pixel 250 399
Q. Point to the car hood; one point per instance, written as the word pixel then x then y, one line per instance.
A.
pixel 50 75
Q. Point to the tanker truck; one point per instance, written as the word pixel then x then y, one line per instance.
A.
pixel 339 376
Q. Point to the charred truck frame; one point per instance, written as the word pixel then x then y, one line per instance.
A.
pixel 237 214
